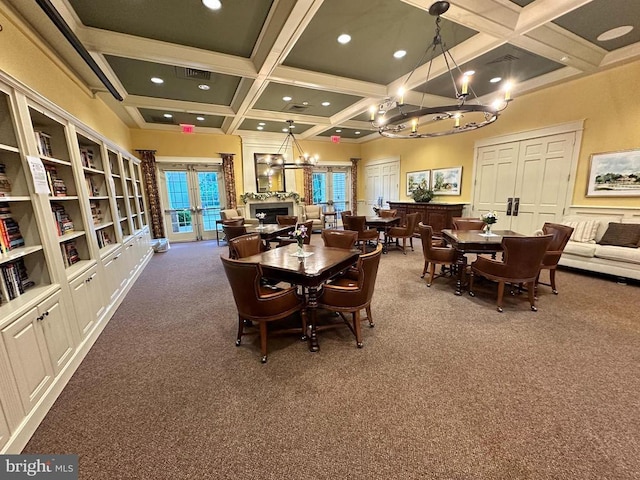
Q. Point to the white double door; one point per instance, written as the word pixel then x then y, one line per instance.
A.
pixel 527 182
pixel 382 182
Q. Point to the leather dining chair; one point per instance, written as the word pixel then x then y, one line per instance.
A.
pixel 434 255
pixel 339 238
pixel 388 213
pixel 286 220
pixel 258 303
pixel 405 231
pixel 560 236
pixel 351 295
pixel 522 257
pixel 462 223
pixel 245 246
pixel 357 223
pixel 234 222
pixel 231 232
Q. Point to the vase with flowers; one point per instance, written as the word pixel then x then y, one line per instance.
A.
pixel 260 216
pixel 299 234
pixel 489 219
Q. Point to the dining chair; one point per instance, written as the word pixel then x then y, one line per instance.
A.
pixel 357 223
pixel 388 213
pixel 434 255
pixel 234 222
pixel 339 238
pixel 231 232
pixel 245 246
pixel 259 303
pixel 405 231
pixel 351 295
pixel 305 241
pixel 467 223
pixel 560 236
pixel 521 260
pixel 286 219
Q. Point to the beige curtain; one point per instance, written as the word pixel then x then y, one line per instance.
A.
pixel 308 185
pixel 229 179
pixel 354 185
pixel 151 191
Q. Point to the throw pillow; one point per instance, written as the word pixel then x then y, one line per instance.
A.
pixel 583 231
pixel 622 235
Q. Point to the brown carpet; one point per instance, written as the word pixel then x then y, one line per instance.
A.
pixel 445 387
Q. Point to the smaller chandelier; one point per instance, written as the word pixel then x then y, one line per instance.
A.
pixel 403 122
pixel 301 159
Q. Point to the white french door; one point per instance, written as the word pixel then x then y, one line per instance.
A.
pixel 382 184
pixel 191 201
pixel 332 184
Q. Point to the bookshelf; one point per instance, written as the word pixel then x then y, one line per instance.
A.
pixel 67 257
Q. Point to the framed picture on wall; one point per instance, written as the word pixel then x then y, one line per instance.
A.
pixel 614 174
pixel 416 178
pixel 446 181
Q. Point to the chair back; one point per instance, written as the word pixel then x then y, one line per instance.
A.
pixel 230 214
pixel 245 245
pixel 345 213
pixel 312 211
pixel 409 227
pixel 233 231
pixel 367 267
pixel 430 252
pixel 560 235
pixel 388 213
pixel 355 223
pixel 339 238
pixel 523 255
pixel 286 219
pixel 237 222
pixel 462 223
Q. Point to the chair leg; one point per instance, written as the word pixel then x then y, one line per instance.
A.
pixel 552 280
pixel 357 328
pixel 303 314
pixel 369 317
pixel 404 246
pixel 263 341
pixel 432 271
pixel 240 330
pixel 500 295
pixel 425 269
pixel 532 298
pixel 535 286
pixel 411 243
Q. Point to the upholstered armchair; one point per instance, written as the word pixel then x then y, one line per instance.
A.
pixel 560 236
pixel 236 213
pixel 434 255
pixel 406 231
pixel 314 212
pixel 357 223
pixel 259 303
pixel 522 257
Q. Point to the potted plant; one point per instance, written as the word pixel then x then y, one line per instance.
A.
pixel 422 193
pixel 330 205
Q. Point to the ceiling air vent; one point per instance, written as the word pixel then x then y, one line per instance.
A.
pixel 162 119
pixel 504 58
pixel 297 108
pixel 192 73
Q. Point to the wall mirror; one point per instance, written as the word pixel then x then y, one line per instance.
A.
pixel 269 172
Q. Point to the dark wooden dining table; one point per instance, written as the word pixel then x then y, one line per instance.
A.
pixel 309 272
pixel 383 224
pixel 473 241
pixel 270 231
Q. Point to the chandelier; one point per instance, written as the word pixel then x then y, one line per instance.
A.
pixel 393 119
pixel 301 159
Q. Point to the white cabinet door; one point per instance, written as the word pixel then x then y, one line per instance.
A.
pixel 29 358
pixel 4 429
pixel 87 300
pixel 57 333
pixel 113 270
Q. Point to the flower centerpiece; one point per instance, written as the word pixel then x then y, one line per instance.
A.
pixel 330 205
pixel 489 218
pixel 299 234
pixel 421 192
pixel 260 216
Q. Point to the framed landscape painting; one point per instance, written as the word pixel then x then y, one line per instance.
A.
pixel 416 178
pixel 446 181
pixel 614 174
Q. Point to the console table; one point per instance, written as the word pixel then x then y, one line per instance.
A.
pixel 438 215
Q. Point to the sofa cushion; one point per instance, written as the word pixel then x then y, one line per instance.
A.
pixel 618 254
pixel 622 235
pixel 580 249
pixel 583 231
pixel 603 221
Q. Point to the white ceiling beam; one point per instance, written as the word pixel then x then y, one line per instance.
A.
pixel 541 12
pixel 139 101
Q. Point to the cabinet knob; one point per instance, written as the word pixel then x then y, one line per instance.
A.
pixel 40 318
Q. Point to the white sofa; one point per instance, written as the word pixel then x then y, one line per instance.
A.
pixel 590 255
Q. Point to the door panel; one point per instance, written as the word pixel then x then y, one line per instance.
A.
pixel 382 183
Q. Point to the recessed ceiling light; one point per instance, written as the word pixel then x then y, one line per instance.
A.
pixel 468 73
pixel 259 127
pixel 399 53
pixel 305 103
pixel 262 124
pixel 167 115
pixel 203 86
pixel 326 104
pixel 338 130
pixel 357 132
pixel 201 119
pixel 565 58
pixel 495 79
pixel 614 33
pixel 157 80
pixel 286 99
pixel 344 38
pixel 212 4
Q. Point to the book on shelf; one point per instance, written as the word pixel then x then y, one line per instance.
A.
pixel 15 279
pixel 62 220
pixel 69 253
pixel 104 238
pixel 96 213
pixel 5 183
pixel 10 236
pixel 92 188
pixel 43 141
pixel 56 184
pixel 87 157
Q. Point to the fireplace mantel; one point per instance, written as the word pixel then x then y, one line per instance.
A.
pixel 252 206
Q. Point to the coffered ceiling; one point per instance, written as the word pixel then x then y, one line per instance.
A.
pixel 231 70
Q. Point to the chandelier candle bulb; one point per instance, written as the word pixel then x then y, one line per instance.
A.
pixel 401 95
pixel 457 122
pixel 414 125
pixel 465 85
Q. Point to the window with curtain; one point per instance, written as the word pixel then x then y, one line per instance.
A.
pixel 331 184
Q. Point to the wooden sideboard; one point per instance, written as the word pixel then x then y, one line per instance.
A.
pixel 438 215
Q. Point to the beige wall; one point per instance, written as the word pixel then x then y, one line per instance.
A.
pixel 26 59
pixel 604 100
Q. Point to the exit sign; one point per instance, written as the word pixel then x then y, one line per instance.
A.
pixel 186 128
pixel 335 138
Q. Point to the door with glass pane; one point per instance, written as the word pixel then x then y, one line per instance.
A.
pixel 191 200
pixel 331 186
